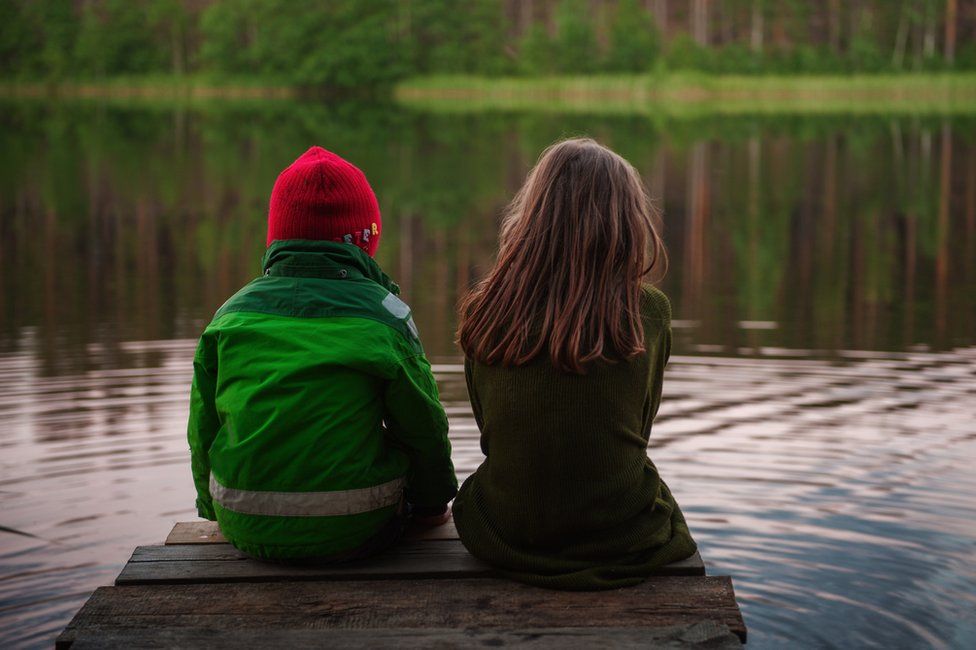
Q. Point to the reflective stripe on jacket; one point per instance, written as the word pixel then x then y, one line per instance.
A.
pixel 313 410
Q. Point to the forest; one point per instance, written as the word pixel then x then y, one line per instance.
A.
pixel 375 43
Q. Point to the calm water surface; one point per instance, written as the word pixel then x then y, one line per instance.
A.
pixel 819 420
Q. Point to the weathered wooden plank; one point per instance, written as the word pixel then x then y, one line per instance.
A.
pixel 158 553
pixel 706 634
pixel 187 564
pixel 224 563
pixel 207 532
pixel 446 531
pixel 422 603
pixel 196 532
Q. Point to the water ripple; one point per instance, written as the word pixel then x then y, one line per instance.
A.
pixel 837 492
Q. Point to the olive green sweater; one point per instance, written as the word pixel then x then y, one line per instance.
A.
pixel 567 497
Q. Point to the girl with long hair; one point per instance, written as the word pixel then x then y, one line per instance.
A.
pixel 565 345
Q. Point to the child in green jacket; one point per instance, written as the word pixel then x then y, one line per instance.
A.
pixel 315 422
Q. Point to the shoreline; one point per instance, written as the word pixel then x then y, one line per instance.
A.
pixel 943 93
pixel 148 88
pixel 669 93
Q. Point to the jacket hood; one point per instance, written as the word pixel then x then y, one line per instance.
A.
pixel 324 255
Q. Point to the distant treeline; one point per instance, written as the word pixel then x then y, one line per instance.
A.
pixel 349 43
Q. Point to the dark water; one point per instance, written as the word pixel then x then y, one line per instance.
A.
pixel 819 420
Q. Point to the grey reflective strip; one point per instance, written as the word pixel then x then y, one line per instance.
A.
pixel 396 306
pixel 401 310
pixel 307 504
pixel 413 327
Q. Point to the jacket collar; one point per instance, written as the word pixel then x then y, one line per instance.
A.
pixel 323 259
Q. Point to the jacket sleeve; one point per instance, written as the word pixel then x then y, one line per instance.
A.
pixel 204 422
pixel 416 422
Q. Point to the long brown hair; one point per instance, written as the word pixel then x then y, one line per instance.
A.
pixel 576 243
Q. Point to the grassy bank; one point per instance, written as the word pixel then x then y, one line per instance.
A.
pixel 152 88
pixel 943 93
pixel 673 94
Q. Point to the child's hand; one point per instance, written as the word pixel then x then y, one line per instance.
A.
pixel 431 516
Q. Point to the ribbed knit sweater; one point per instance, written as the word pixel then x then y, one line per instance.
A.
pixel 567 497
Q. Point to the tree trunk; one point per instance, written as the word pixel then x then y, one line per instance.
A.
pixel 178 47
pixel 780 35
pixel 660 10
pixel 526 15
pixel 854 22
pixel 403 21
pixel 917 42
pixel 901 38
pixel 699 21
pixel 833 25
pixel 726 17
pixel 928 41
pixel 756 35
pixel 950 32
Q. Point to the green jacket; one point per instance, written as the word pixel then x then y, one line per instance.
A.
pixel 313 410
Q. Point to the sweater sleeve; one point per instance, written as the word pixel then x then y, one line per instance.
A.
pixel 204 423
pixel 656 309
pixel 416 421
pixel 475 403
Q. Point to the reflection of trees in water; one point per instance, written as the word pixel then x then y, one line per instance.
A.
pixel 137 224
pixel 969 252
pixel 942 231
pixel 694 255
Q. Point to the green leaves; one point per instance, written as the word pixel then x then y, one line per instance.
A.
pixel 369 44
pixel 635 43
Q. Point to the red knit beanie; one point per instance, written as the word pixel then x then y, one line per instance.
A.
pixel 321 196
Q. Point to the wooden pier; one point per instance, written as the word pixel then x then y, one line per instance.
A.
pixel 197 590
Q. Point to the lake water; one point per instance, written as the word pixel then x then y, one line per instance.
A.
pixel 819 417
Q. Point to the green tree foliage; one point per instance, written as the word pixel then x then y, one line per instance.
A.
pixel 116 37
pixel 172 24
pixel 54 28
pixel 227 28
pixel 469 38
pixel 574 47
pixel 685 54
pixel 536 51
pixel 18 41
pixel 865 55
pixel 352 45
pixel 634 39
pixel 374 43
pixel 304 42
pixel 733 58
